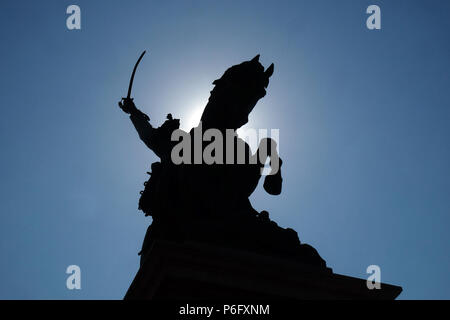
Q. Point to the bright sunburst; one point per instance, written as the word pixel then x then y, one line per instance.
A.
pixel 192 117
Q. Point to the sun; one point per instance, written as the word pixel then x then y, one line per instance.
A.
pixel 192 118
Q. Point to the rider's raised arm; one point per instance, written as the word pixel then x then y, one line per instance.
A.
pixel 156 139
pixel 141 122
pixel 143 127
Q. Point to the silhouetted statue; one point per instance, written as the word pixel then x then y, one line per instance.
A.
pixel 210 202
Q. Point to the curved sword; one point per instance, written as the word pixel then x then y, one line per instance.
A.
pixel 132 75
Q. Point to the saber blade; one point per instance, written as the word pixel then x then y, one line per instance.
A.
pixel 132 75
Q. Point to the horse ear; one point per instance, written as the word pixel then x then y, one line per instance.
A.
pixel 269 71
pixel 255 59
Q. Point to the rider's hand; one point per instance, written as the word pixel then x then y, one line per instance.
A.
pixel 127 105
pixel 273 182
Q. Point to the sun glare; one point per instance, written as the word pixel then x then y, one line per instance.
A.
pixel 192 118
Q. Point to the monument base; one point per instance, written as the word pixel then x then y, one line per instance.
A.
pixel 197 271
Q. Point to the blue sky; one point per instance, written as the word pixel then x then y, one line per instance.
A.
pixel 363 118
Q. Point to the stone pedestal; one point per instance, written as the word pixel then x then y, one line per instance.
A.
pixel 196 271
